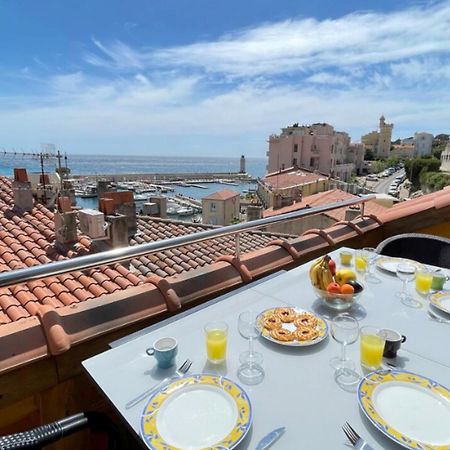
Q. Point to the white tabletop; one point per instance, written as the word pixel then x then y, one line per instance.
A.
pixel 298 391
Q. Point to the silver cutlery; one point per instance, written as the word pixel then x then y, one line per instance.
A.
pixel 270 438
pixel 435 317
pixel 182 370
pixel 355 439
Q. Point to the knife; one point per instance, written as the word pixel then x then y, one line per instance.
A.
pixel 270 438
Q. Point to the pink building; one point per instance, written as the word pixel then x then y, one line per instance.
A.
pixel 314 147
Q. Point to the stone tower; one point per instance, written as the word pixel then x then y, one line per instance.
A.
pixel 242 165
pixel 384 140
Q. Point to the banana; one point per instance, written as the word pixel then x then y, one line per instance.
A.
pixel 327 276
pixel 315 273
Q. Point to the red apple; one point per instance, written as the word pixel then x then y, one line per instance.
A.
pixel 332 266
pixel 334 288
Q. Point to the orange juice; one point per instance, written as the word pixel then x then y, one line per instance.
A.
pixel 360 264
pixel 423 282
pixel 216 345
pixel 372 347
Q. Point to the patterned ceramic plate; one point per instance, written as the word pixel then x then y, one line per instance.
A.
pixel 412 410
pixel 197 412
pixel 389 263
pixel 321 329
pixel 441 300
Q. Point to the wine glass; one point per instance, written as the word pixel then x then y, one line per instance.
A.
pixel 345 330
pixel 370 255
pixel 250 371
pixel 407 272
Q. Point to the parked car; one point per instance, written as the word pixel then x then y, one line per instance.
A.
pixel 372 177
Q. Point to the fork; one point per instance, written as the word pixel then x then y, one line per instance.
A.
pixel 182 370
pixel 355 439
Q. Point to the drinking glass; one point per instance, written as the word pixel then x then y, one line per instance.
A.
pixel 370 255
pixel 371 347
pixel 424 279
pixel 360 262
pixel 250 371
pixel 345 330
pixel 346 258
pixel 216 341
pixel 407 272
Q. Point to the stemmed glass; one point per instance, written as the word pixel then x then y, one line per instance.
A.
pixel 407 272
pixel 250 371
pixel 345 330
pixel 370 255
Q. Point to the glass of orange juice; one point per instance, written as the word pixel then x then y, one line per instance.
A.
pixel 371 347
pixel 216 341
pixel 360 261
pixel 424 278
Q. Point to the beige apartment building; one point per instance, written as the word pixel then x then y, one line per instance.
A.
pixel 221 208
pixel 445 159
pixel 379 141
pixel 317 147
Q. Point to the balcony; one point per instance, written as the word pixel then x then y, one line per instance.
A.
pixel 48 346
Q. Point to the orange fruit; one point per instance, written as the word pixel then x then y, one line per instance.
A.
pixel 347 289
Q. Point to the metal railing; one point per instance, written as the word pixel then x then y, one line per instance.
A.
pixel 122 254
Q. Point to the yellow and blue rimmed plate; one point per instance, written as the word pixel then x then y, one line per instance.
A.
pixel 441 300
pixel 197 412
pixel 390 263
pixel 410 409
pixel 321 328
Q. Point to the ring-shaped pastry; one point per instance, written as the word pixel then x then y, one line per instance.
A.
pixel 286 315
pixel 306 334
pixel 282 335
pixel 305 320
pixel 272 322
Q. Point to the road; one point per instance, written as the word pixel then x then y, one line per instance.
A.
pixel 383 185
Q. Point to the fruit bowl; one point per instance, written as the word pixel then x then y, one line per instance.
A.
pixel 336 301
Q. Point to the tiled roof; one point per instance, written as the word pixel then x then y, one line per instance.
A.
pixel 28 239
pixel 291 178
pixel 225 194
pixel 192 256
pixel 324 198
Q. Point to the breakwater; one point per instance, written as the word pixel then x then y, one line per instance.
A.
pixel 170 177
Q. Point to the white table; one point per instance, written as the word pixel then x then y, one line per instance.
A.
pixel 299 390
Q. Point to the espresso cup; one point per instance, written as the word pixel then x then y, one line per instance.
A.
pixel 164 350
pixel 392 343
pixel 438 281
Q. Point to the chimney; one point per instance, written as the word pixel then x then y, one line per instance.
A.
pixel 162 206
pixel 122 203
pixel 69 191
pixel 254 212
pixel 102 188
pixel 66 226
pixel 352 213
pixel 23 195
pixel 151 209
pixel 117 230
pixel 277 201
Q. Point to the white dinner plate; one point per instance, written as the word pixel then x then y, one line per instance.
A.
pixel 321 328
pixel 196 412
pixel 390 263
pixel 410 409
pixel 441 300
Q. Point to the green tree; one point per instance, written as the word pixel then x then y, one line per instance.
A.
pixel 417 166
pixel 369 156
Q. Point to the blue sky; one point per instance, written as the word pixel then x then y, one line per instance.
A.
pixel 216 78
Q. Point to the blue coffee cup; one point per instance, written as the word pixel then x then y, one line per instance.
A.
pixel 164 350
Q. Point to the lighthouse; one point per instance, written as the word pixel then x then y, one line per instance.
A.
pixel 242 165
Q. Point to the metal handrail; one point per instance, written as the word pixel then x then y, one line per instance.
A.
pixel 121 254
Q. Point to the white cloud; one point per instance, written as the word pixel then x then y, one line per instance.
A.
pixel 229 95
pixel 300 45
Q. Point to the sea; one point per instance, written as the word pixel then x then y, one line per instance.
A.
pixel 115 164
